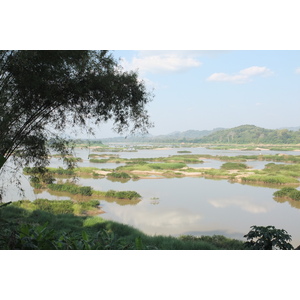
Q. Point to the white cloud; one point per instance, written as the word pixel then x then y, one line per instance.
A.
pixel 242 76
pixel 163 61
pixel 298 71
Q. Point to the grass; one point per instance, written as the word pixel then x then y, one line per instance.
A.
pixel 67 231
pixel 71 188
pixel 233 166
pixel 58 206
pixel 95 160
pixel 271 179
pixel 121 175
pixel 288 192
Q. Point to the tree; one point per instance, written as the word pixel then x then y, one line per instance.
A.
pixel 44 92
pixel 267 238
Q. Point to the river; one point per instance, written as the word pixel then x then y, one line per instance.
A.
pixel 197 206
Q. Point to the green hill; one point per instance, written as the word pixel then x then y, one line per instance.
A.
pixel 248 134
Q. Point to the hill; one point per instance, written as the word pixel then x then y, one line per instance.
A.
pixel 248 134
pixel 176 136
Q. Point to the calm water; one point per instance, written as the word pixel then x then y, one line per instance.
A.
pixel 191 205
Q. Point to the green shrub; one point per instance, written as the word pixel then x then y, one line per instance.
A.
pixel 54 206
pixel 167 166
pixel 272 179
pixel 233 166
pixel 184 151
pixel 219 241
pixel 267 238
pixel 71 188
pixel 61 171
pixel 122 194
pixel 94 160
pixel 288 192
pixel 118 175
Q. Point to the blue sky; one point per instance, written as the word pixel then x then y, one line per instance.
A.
pixel 208 89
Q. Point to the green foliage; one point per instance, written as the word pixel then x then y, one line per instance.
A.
pixel 66 231
pixel 271 179
pixel 288 192
pixel 250 134
pixel 39 176
pixel 167 166
pixel 71 188
pixel 219 241
pixel 63 88
pixel 233 166
pixel 41 237
pixel 58 206
pixel 267 238
pixel 95 160
pixel 122 194
pixel 61 171
pixel 119 175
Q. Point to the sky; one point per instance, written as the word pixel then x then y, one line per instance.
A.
pixel 203 90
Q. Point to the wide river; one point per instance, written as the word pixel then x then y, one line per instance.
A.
pixel 188 205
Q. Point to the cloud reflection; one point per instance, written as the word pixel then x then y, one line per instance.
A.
pixel 162 221
pixel 242 203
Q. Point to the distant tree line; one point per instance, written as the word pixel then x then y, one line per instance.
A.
pixel 247 134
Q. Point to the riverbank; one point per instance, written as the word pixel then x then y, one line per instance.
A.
pixel 37 229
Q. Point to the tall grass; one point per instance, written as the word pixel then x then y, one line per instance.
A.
pixel 67 231
pixel 233 166
pixel 272 179
pixel 288 192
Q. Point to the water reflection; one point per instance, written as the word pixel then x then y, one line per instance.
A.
pixel 178 206
pixel 292 203
pixel 245 203
pixel 166 222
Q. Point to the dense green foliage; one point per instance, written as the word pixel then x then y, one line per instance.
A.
pixel 272 179
pixel 268 238
pixel 37 229
pixel 288 192
pixel 63 89
pixel 122 175
pixel 95 160
pixel 122 194
pixel 250 134
pixel 71 188
pixel 58 206
pixel 233 166
pixel 220 241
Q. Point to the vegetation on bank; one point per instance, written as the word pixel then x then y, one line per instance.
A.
pixel 234 166
pixel 31 228
pixel 234 169
pixel 88 191
pixel 53 225
pixel 60 206
pixel 288 192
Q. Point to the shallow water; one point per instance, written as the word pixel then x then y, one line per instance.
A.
pixel 196 206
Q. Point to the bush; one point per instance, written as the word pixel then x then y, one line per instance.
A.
pixel 94 160
pixel 220 241
pixel 272 179
pixel 288 192
pixel 72 188
pixel 234 166
pixel 267 238
pixel 167 166
pixel 119 175
pixel 61 171
pixel 122 194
